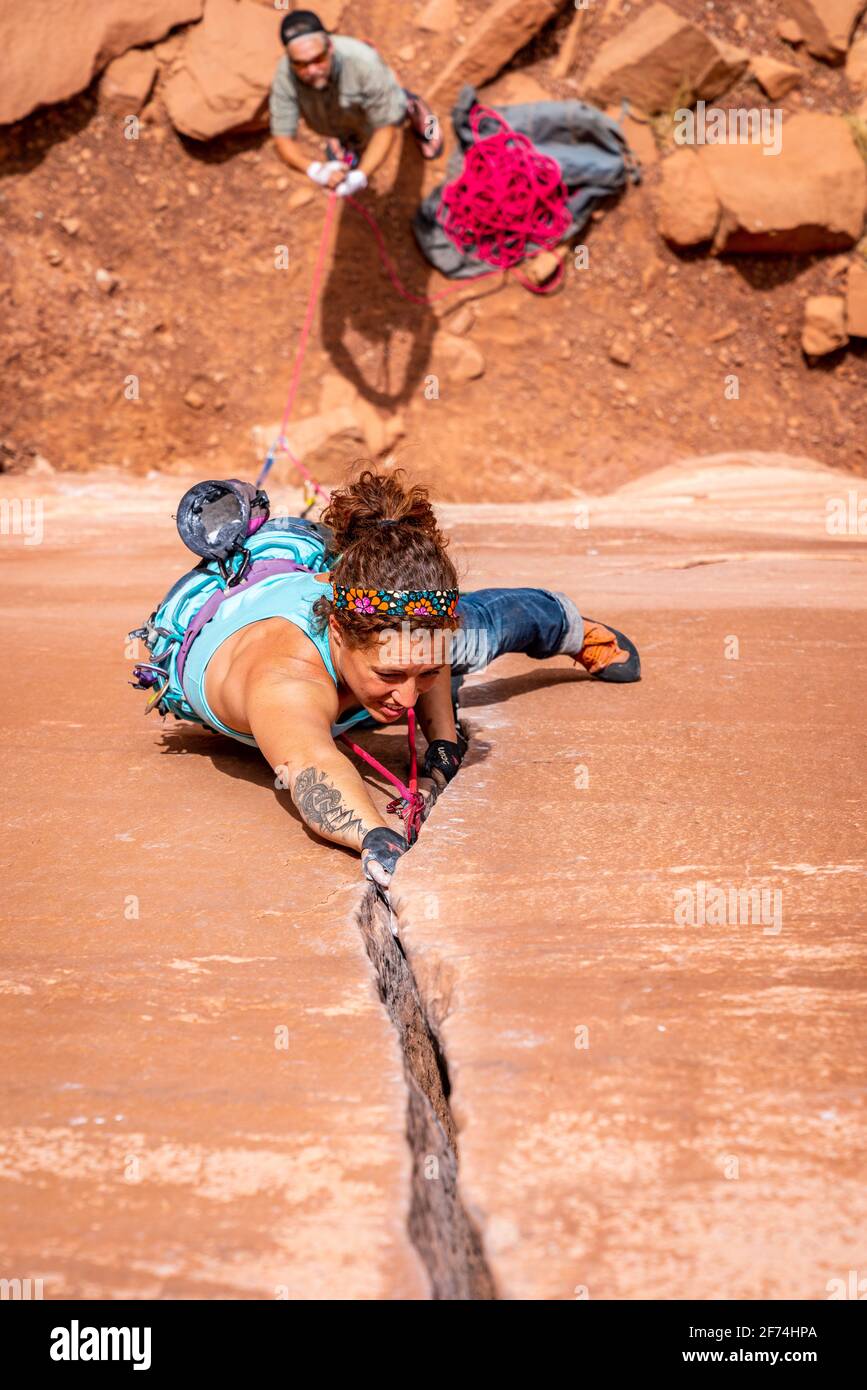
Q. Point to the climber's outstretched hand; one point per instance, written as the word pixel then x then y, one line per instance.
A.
pixel 327 175
pixel 380 850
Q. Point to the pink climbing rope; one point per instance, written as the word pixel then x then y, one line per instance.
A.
pixel 410 803
pixel 507 197
pixel 282 444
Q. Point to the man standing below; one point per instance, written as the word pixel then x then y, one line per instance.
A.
pixel 345 91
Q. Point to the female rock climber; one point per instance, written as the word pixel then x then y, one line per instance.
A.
pixel 291 661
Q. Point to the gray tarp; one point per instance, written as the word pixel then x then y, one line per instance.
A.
pixel 590 148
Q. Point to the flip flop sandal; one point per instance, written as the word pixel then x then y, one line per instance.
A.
pixel 622 671
pixel 425 127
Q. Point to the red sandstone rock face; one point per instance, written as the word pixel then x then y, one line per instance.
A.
pixel 812 196
pixel 661 60
pixel 63 43
pixel 647 1109
pixel 643 1108
pixel 217 1105
pixel 223 74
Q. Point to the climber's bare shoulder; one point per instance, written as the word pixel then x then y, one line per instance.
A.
pixel 273 667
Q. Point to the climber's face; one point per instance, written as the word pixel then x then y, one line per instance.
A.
pixel 310 57
pixel 389 674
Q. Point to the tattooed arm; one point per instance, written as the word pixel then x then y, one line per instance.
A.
pixel 291 719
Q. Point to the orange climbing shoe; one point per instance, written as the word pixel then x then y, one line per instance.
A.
pixel 607 654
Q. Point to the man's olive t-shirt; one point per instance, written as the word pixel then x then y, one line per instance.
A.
pixel 362 95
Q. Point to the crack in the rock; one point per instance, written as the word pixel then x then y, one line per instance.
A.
pixel 440 1227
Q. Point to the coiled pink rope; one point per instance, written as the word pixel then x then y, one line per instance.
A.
pixel 506 197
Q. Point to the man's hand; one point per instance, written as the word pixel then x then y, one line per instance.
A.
pixel 354 181
pixel 326 175
pixel 380 850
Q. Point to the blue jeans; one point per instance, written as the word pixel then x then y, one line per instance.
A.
pixel 495 621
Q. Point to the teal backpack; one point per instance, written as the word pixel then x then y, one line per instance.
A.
pixel 278 546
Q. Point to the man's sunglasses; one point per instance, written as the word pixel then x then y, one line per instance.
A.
pixel 311 62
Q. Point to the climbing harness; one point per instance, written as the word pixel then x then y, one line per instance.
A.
pixel 263 549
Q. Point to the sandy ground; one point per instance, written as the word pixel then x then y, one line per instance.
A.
pixel 204 1096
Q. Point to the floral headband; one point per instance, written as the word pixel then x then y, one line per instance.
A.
pixel 397 603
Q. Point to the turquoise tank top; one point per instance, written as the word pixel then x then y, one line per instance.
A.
pixel 278 596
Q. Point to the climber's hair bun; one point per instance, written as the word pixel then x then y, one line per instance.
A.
pixel 386 537
pixel 380 502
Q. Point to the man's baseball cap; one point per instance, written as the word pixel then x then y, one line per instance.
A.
pixel 299 23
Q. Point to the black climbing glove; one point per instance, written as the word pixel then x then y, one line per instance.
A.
pixel 442 760
pixel 380 850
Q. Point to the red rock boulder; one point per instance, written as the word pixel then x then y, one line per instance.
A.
pixel 812 196
pixel 504 27
pixel 222 76
pixel 824 327
pixel 687 207
pixel 826 25
pixel 127 81
pixel 661 61
pixel 53 48
pixel 856 299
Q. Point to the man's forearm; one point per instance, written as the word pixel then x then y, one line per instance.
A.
pixel 292 153
pixel 378 148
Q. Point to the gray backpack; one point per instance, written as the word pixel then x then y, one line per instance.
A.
pixel 590 148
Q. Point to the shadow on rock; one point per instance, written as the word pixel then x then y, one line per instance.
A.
pixel 376 339
pixel 495 692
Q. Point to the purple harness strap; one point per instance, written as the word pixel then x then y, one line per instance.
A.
pixel 260 569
